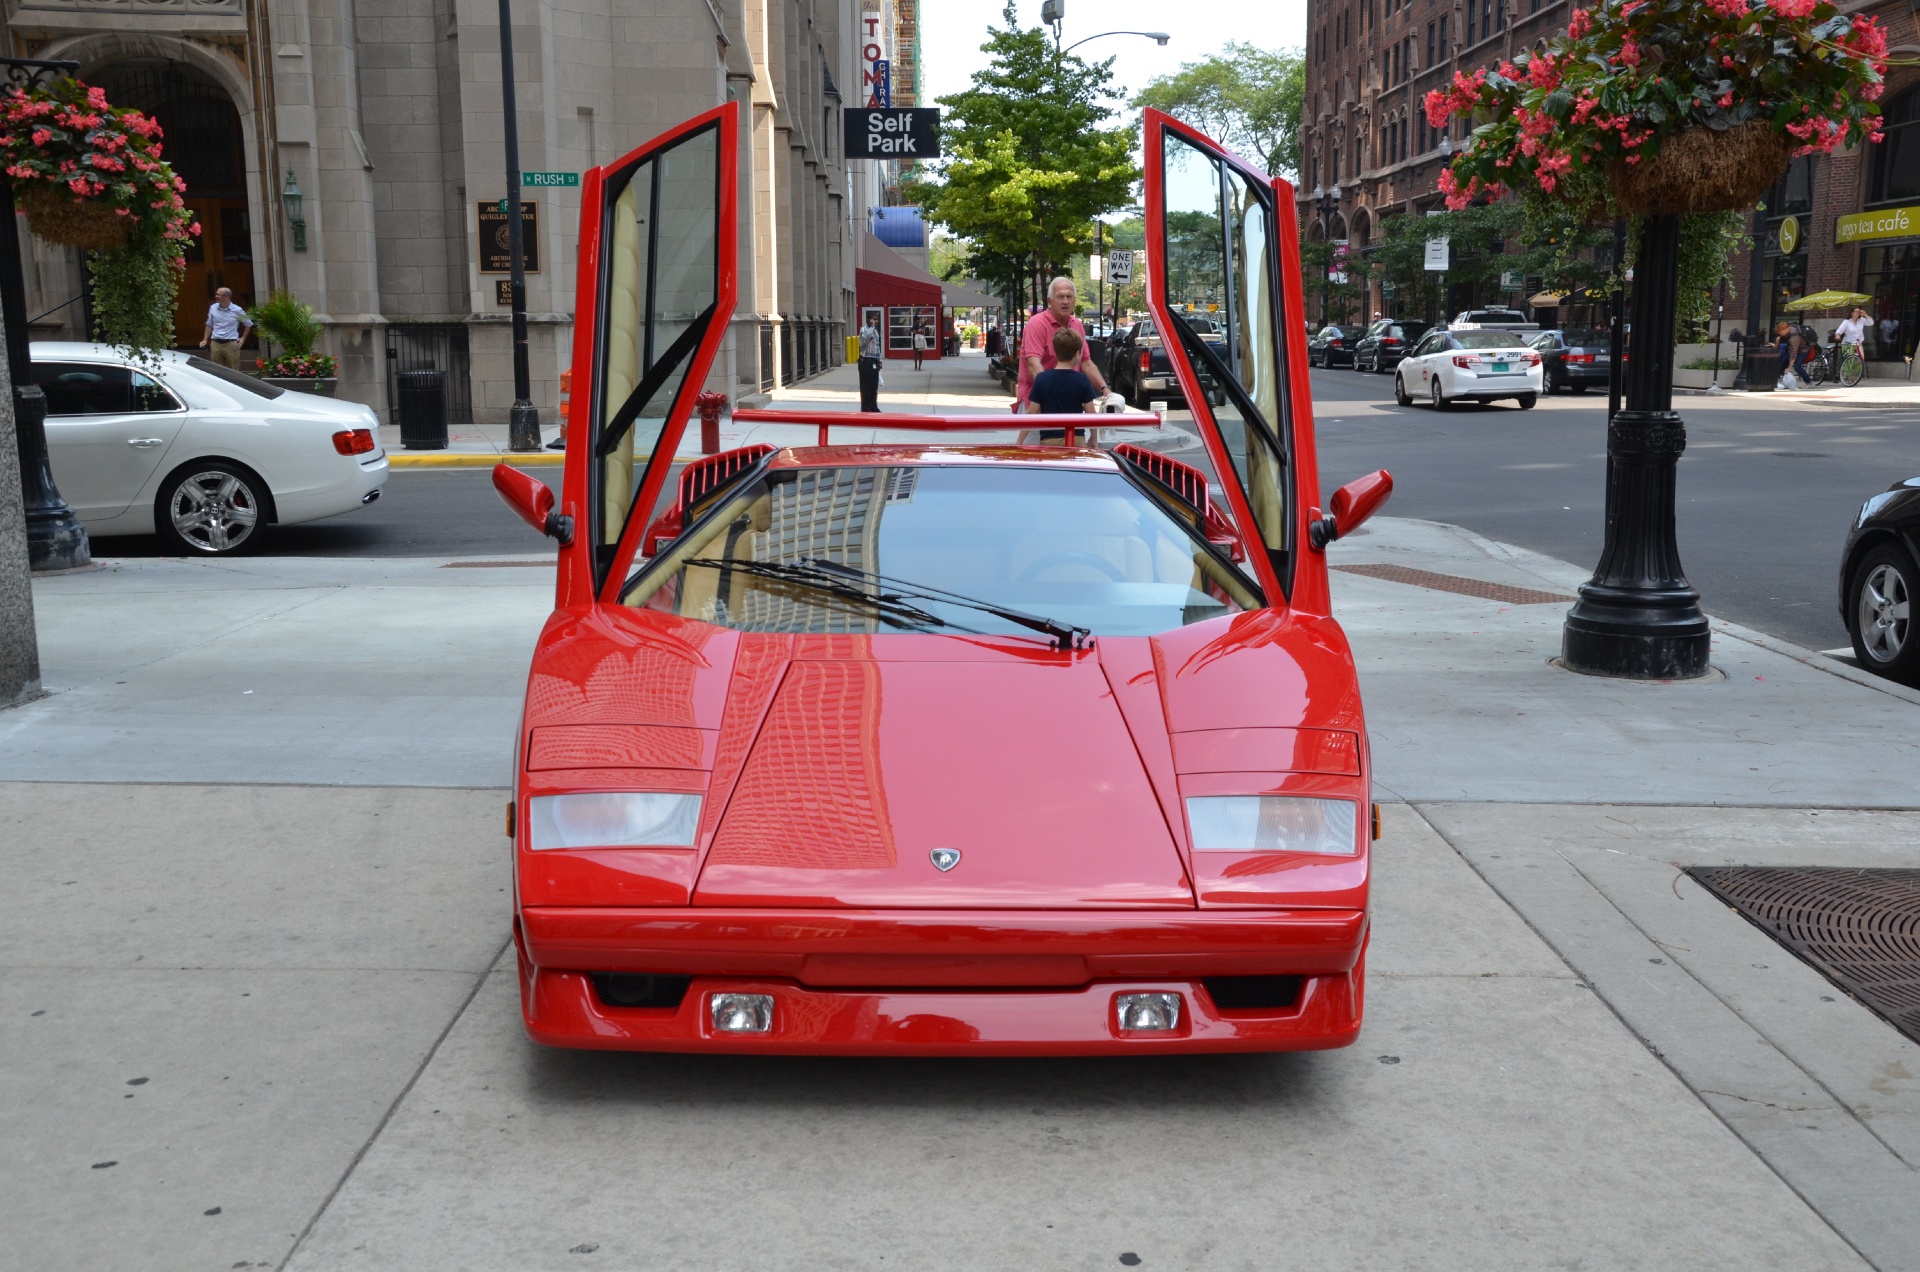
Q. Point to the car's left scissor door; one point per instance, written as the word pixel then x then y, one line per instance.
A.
pixel 656 290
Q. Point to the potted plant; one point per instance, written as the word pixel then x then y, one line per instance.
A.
pixel 290 324
pixel 90 175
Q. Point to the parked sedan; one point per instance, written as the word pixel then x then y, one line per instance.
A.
pixel 1484 366
pixel 1879 579
pixel 1332 346
pixel 1387 342
pixel 199 454
pixel 1574 359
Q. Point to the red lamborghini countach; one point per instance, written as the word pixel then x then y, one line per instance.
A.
pixel 917 748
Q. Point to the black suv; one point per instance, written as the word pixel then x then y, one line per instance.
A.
pixel 1386 342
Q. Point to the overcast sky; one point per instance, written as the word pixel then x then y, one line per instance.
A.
pixel 951 32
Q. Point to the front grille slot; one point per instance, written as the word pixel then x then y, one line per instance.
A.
pixel 625 989
pixel 1254 993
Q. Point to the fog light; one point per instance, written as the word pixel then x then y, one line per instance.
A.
pixel 1149 1012
pixel 742 1013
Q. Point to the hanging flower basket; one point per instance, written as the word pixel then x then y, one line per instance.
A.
pixel 60 217
pixel 1701 169
pixel 89 175
pixel 1667 107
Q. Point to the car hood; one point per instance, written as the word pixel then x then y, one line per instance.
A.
pixel 836 768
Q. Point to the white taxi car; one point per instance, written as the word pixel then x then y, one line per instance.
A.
pixel 203 456
pixel 1476 365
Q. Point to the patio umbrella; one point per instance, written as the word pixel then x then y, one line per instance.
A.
pixel 1828 300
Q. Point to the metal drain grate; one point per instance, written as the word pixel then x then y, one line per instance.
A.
pixel 1858 928
pixel 1454 583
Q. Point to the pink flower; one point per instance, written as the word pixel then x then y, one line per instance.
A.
pixel 1729 8
pixel 1792 8
pixel 1630 52
pixel 1579 23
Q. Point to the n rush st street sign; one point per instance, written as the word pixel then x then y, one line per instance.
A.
pixel 899 132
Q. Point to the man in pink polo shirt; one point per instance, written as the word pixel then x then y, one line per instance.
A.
pixel 1036 343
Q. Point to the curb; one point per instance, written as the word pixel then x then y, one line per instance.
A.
pixel 486 459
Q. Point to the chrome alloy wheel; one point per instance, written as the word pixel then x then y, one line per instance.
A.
pixel 1883 610
pixel 214 511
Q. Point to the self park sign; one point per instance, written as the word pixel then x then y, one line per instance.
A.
pixel 899 132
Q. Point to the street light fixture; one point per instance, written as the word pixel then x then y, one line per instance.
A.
pixel 1158 37
pixel 292 197
pixel 1327 203
pixel 523 421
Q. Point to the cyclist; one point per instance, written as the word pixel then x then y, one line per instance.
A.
pixel 1849 337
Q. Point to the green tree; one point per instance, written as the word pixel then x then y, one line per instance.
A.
pixel 1248 99
pixel 1485 241
pixel 1032 158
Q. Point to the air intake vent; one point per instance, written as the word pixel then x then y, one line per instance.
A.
pixel 705 475
pixel 1254 993
pixel 623 989
pixel 1187 483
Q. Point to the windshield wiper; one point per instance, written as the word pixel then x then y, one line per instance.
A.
pixel 891 609
pixel 1064 636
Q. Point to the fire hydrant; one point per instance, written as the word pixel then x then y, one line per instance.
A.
pixel 710 405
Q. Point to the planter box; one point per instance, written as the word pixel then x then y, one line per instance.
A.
pixel 323 386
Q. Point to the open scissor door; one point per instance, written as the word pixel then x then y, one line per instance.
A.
pixel 1222 283
pixel 655 293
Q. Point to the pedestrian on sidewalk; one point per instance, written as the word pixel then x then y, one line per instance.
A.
pixel 1036 343
pixel 922 341
pixel 993 341
pixel 869 366
pixel 227 325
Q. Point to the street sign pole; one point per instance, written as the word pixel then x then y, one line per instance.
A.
pixel 523 421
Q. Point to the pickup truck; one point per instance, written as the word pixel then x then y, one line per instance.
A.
pixel 1137 366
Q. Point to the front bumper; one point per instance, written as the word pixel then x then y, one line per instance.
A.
pixel 941 982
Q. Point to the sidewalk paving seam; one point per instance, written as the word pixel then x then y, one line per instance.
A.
pixel 479 980
pixel 1667 1062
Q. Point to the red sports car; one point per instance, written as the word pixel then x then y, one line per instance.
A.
pixel 935 749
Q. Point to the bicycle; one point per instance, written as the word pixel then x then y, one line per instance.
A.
pixel 1848 370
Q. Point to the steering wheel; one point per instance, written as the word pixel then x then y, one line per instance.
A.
pixel 1045 563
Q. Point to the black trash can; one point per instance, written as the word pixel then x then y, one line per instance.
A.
pixel 1763 367
pixel 423 410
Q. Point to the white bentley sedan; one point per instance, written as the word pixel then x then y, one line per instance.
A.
pixel 1478 366
pixel 202 456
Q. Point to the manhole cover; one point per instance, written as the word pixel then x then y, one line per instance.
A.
pixel 1801 455
pixel 1455 583
pixel 1858 928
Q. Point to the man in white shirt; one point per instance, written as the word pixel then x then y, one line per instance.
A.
pixel 227 325
pixel 870 351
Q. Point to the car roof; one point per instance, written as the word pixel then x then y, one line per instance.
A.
pixel 93 351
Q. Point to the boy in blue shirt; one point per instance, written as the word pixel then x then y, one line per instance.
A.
pixel 1063 391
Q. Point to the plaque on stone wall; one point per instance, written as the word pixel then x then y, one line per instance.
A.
pixel 496 252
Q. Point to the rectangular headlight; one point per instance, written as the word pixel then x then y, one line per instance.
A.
pixel 612 819
pixel 1273 823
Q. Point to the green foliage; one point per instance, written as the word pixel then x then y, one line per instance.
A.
pixel 1707 243
pixel 134 286
pixel 1246 98
pixel 1482 238
pixel 947 257
pixel 1031 158
pixel 287 322
pixel 1343 300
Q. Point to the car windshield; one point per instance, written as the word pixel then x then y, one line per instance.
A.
pixel 1081 548
pixel 1488 340
pixel 229 376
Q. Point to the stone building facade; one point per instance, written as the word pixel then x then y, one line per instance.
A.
pixel 1370 64
pixel 385 118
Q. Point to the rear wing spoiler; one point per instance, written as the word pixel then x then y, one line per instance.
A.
pixel 989 423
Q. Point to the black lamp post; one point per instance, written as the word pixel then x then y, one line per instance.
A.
pixel 1638 618
pixel 523 421
pixel 55 538
pixel 1327 203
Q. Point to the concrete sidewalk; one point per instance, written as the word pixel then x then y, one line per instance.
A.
pixel 256 1012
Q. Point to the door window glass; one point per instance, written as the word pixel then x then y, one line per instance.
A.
pixel 661 284
pixel 83 388
pixel 150 395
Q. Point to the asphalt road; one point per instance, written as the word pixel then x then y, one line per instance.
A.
pixel 1766 494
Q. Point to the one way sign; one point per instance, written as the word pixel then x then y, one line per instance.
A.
pixel 904 132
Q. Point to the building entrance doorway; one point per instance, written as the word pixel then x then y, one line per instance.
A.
pixel 204 144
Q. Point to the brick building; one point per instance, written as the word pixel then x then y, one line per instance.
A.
pixel 1848 221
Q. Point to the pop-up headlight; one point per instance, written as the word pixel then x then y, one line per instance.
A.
pixel 612 819
pixel 1273 823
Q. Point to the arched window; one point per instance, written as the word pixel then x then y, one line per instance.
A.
pixel 1896 160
